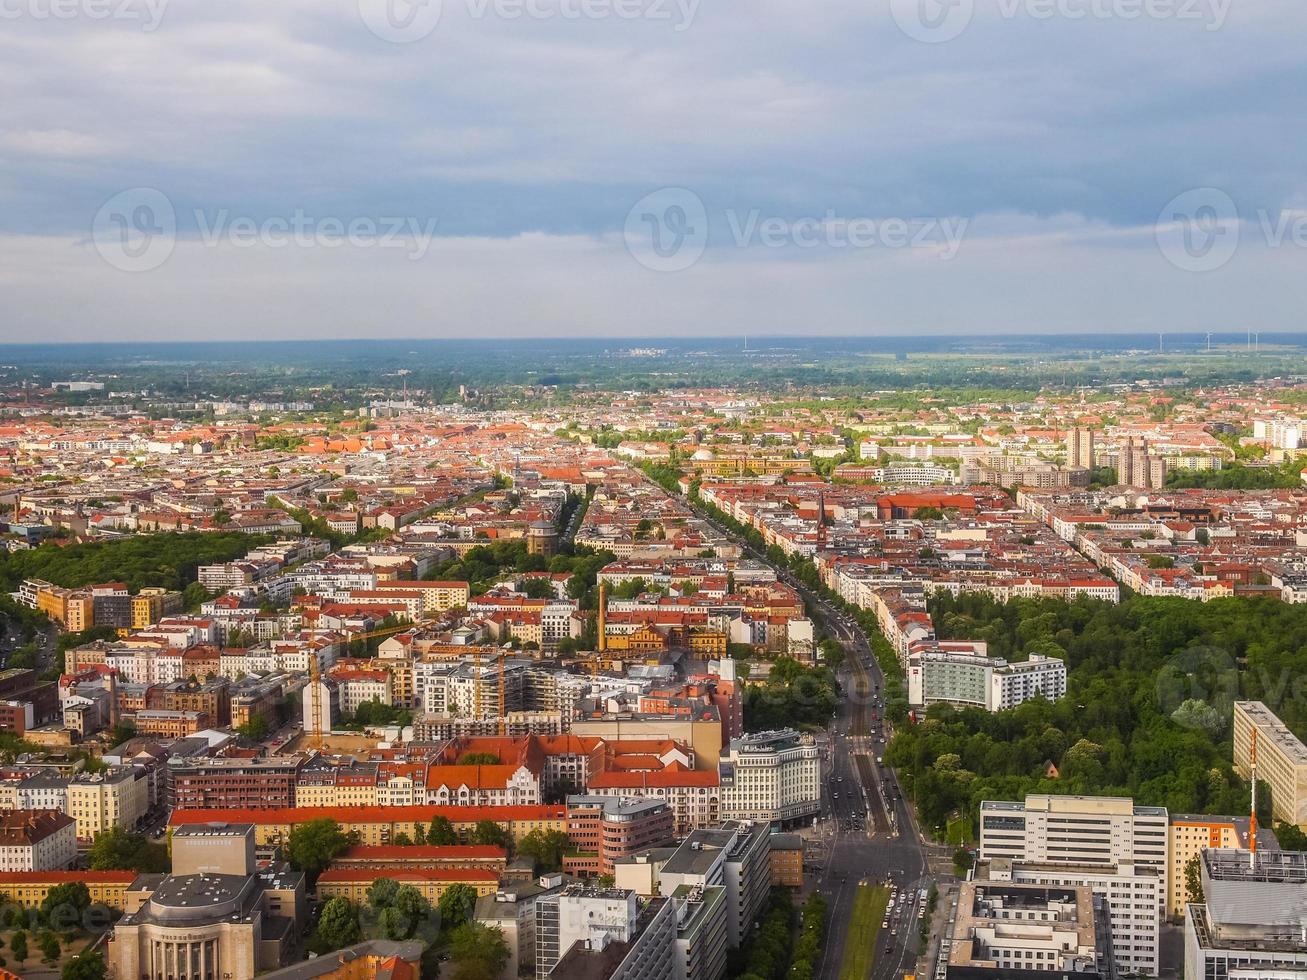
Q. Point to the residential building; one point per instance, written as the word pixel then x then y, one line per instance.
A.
pixel 37 840
pixel 104 800
pixel 206 784
pixel 1281 759
pixel 1189 835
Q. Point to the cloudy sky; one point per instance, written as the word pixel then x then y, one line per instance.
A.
pixel 174 169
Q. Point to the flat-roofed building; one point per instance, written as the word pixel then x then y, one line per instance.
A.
pixel 1252 922
pixel 1281 759
pixel 1133 895
pixel 1024 931
pixel 1190 835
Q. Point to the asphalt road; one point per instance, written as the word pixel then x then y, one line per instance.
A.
pixel 870 832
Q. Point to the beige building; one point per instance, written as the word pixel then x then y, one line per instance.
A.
pixel 103 800
pixel 1189 836
pixel 1281 759
pixel 216 915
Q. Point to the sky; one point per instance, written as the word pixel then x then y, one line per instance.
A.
pixel 294 169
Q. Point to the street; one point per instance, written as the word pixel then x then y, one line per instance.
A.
pixel 869 831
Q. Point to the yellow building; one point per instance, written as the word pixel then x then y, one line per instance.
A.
pixel 54 603
pixel 29 888
pixel 353 883
pixel 102 801
pixel 81 612
pixel 380 825
pixel 1188 837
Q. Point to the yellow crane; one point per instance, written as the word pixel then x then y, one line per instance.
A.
pixel 315 678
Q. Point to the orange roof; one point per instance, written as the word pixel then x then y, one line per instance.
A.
pixel 60 877
pixel 654 780
pixel 407 874
pixel 424 852
pixel 370 814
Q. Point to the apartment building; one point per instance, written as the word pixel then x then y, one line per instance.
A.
pixel 104 800
pixel 258 784
pixel 971 679
pixel 773 777
pixel 1281 759
pixel 37 840
pixel 1189 836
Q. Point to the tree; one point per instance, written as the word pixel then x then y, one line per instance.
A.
pixel 477 951
pixel 48 943
pixel 406 912
pixel 1193 880
pixel 64 904
pixel 314 844
pixel 338 925
pixel 545 848
pixel 118 850
pixel 381 892
pixel 1290 838
pixel 490 834
pixel 478 759
pixel 456 905
pixel 18 946
pixel 84 966
pixel 441 833
pixel 256 729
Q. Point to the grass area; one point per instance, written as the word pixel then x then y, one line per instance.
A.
pixel 869 906
pixel 959 832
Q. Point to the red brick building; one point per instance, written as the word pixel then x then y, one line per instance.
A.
pixel 605 829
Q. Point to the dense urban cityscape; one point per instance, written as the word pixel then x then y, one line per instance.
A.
pixel 505 676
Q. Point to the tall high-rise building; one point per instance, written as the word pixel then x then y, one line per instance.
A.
pixel 1080 447
pixel 1116 848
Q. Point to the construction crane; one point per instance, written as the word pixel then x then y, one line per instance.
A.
pixel 315 679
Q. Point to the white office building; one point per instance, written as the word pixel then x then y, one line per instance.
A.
pixel 772 777
pixel 1112 845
